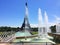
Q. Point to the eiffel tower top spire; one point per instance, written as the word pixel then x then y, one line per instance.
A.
pixel 26 4
pixel 26 7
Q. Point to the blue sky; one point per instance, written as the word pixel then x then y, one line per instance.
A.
pixel 12 12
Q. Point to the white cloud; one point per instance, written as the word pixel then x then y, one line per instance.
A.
pixel 34 25
pixel 57 19
pixel 52 24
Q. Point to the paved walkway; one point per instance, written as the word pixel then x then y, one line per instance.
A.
pixel 25 44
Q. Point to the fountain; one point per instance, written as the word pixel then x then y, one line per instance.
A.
pixel 41 35
pixel 47 26
pixel 46 23
pixel 26 25
pixel 43 31
pixel 40 29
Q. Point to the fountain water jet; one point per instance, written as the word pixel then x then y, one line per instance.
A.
pixel 46 23
pixel 47 27
pixel 40 26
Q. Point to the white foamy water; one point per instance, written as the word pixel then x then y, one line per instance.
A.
pixel 40 30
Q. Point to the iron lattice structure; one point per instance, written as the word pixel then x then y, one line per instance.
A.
pixel 26 25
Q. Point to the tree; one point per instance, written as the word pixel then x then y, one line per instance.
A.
pixel 53 29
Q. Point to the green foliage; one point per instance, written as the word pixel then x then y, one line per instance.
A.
pixel 33 33
pixel 5 28
pixel 35 29
pixel 53 28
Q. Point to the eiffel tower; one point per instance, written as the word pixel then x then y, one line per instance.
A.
pixel 26 26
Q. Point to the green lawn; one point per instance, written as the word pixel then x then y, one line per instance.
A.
pixel 34 33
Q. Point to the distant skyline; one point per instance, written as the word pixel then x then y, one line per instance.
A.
pixel 12 12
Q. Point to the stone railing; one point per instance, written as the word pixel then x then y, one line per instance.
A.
pixel 7 36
